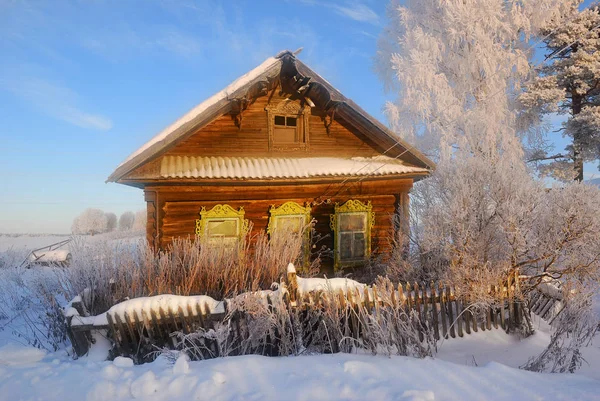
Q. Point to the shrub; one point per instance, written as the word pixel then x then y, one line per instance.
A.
pixel 120 270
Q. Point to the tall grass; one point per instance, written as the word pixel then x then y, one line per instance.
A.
pixel 115 271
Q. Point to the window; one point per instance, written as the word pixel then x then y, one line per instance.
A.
pixel 288 125
pixel 286 130
pixel 352 223
pixel 222 226
pixel 291 219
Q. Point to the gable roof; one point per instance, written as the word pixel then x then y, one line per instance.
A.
pixel 296 79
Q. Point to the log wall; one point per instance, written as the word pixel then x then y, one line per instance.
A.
pixel 173 210
pixel 223 138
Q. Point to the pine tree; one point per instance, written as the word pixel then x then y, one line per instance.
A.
pixel 569 84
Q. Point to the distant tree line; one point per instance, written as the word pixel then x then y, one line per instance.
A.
pixel 95 221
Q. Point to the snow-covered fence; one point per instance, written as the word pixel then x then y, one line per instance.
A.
pixel 546 300
pixel 436 304
pixel 142 325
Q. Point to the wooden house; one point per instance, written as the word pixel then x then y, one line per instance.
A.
pixel 280 146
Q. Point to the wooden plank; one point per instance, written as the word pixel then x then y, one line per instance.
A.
pixel 131 330
pixel 443 311
pixel 434 305
pixel 460 317
pixel 117 337
pixel 452 323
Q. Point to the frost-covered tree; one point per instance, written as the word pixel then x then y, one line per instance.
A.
pixel 111 222
pixel 91 221
pixel 126 221
pixel 139 223
pixel 569 84
pixel 456 67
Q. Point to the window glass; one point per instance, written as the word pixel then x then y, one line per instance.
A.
pixel 280 120
pixel 293 224
pixel 351 231
pixel 290 121
pixel 223 228
pixel 353 221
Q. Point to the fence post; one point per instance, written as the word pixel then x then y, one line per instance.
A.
pixel 292 283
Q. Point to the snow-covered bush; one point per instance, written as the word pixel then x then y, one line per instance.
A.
pixel 31 305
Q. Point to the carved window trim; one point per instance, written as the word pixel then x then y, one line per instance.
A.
pixel 220 213
pixel 292 210
pixel 288 108
pixel 351 207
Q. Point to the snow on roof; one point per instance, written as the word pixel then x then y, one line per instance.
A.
pixel 272 167
pixel 199 109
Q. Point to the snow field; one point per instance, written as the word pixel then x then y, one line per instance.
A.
pixel 319 377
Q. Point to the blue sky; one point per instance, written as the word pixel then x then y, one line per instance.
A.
pixel 85 83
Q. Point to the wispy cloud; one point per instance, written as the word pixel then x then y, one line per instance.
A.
pixel 357 12
pixel 354 10
pixel 56 101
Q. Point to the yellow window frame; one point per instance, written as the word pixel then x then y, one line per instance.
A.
pixel 287 210
pixel 351 207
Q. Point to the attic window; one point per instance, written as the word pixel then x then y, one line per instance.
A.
pixel 286 130
pixel 288 126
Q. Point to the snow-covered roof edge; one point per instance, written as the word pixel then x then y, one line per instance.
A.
pixel 194 117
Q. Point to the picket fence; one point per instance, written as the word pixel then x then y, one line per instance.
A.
pixel 440 313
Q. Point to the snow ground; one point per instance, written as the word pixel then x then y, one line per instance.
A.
pixel 480 366
pixel 28 242
pixel 320 377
